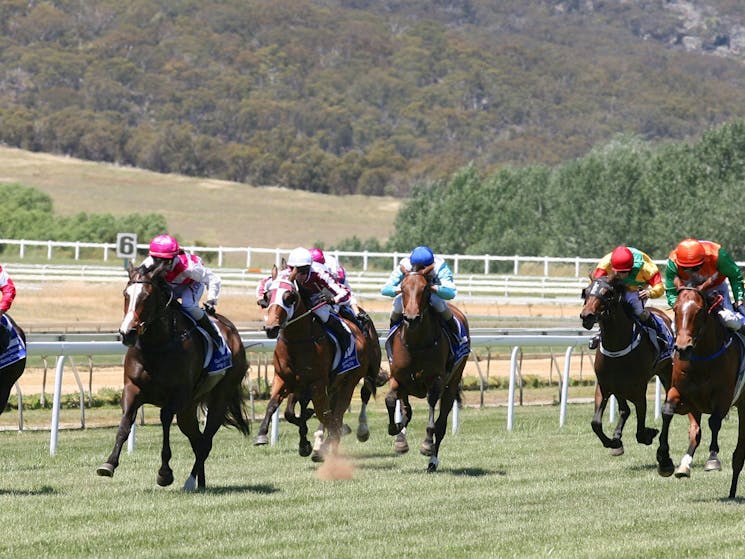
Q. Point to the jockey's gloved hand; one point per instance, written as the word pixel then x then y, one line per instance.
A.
pixel 328 297
pixel 209 306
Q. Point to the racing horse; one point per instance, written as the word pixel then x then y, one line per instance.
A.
pixel 303 359
pixel 421 366
pixel 706 378
pixel 12 359
pixel 625 361
pixel 165 366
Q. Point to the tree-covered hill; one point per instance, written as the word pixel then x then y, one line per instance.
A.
pixel 361 96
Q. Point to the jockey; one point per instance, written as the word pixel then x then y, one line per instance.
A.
pixel 187 277
pixel 443 287
pixel 8 289
pixel 705 260
pixel 337 271
pixel 315 286
pixel 639 274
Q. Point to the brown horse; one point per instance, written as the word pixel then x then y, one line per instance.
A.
pixel 164 366
pixel 705 380
pixel 303 360
pixel 420 366
pixel 625 361
pixel 9 374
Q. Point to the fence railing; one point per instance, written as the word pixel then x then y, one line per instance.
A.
pixel 66 349
pixel 259 258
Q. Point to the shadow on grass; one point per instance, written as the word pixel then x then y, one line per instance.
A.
pixel 262 489
pixel 43 490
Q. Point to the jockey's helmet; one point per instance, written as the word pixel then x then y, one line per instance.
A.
pixel 690 253
pixel 164 246
pixel 317 255
pixel 422 256
pixel 621 259
pixel 299 257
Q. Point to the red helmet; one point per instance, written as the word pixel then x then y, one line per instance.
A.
pixel 164 246
pixel 690 253
pixel 317 255
pixel 621 259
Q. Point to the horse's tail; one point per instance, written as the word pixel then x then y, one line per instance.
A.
pixel 375 376
pixel 235 414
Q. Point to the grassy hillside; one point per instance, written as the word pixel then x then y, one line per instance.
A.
pixel 208 211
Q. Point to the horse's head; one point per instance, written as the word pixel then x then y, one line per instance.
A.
pixel 600 297
pixel 145 300
pixel 283 299
pixel 415 293
pixel 692 312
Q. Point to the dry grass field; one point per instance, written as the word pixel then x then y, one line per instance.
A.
pixel 211 212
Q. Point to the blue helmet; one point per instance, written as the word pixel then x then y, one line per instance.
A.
pixel 422 256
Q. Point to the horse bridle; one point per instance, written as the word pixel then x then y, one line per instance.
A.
pixel 707 308
pixel 425 296
pixel 142 324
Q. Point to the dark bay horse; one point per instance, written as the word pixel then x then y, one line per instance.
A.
pixel 302 370
pixel 420 366
pixel 10 373
pixel 164 366
pixel 705 380
pixel 625 361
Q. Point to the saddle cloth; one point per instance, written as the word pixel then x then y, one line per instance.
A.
pixel 216 359
pixel 16 348
pixel 345 351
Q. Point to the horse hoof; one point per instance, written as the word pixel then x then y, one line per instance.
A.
pixel 304 449
pixel 665 468
pixel 713 465
pixel 401 445
pixel 615 443
pixel 394 429
pixel 648 437
pixel 345 430
pixel 105 470
pixel 683 471
pixel 164 479
pixel 261 440
pixel 316 456
pixel 616 451
pixel 363 433
pixel 190 484
pixel 425 449
pixel 431 468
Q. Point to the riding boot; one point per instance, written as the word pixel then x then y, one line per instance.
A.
pixel 594 341
pixel 396 317
pixel 210 328
pixel 337 328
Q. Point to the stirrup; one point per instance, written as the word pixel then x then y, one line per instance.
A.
pixel 594 342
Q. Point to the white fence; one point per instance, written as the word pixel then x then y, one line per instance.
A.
pixel 107 252
pixel 66 349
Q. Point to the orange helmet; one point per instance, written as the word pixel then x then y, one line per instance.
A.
pixel 690 253
pixel 621 259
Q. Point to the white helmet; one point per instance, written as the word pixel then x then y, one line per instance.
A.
pixel 299 257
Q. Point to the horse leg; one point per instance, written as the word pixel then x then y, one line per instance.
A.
pixel 713 464
pixel 363 430
pixel 623 415
pixel 665 466
pixel 644 435
pixel 394 427
pixel 446 404
pixel 130 405
pixel 165 474
pixel 428 443
pixel 694 438
pixel 301 421
pixel 275 400
pixel 200 445
pixel 738 456
pixel 601 401
pixel 326 416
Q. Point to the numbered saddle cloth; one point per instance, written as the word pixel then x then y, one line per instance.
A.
pixel 16 347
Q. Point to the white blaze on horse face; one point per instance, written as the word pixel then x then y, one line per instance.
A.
pixel 277 299
pixel 687 312
pixel 133 291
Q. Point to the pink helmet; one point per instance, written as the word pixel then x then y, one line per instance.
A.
pixel 317 255
pixel 164 246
